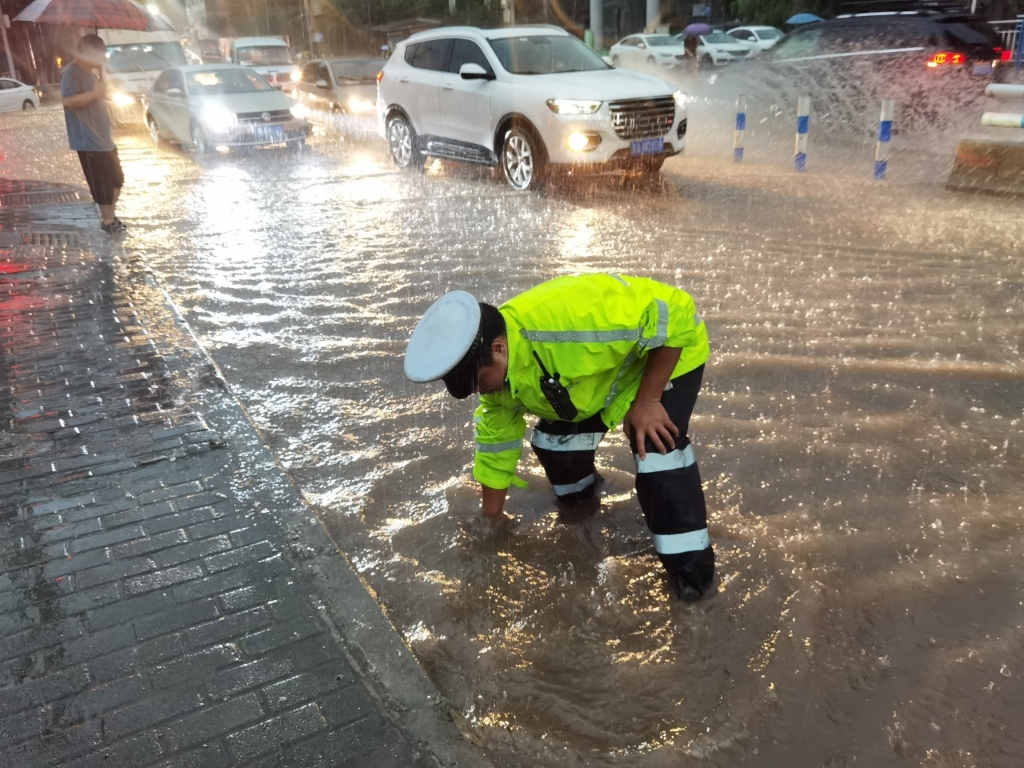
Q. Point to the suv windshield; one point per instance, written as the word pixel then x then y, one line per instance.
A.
pixel 360 71
pixel 545 55
pixel 264 55
pixel 661 40
pixel 143 57
pixel 768 34
pixel 221 81
pixel 717 37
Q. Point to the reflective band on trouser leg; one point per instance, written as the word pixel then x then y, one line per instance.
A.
pixel 674 543
pixel 565 490
pixel 586 441
pixel 663 462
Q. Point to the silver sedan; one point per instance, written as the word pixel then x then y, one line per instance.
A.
pixel 221 107
pixel 333 87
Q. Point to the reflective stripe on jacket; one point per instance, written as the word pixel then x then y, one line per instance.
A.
pixel 593 330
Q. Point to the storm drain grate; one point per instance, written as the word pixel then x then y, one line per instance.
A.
pixel 53 238
pixel 38 198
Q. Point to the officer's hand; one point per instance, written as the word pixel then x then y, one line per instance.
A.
pixel 649 419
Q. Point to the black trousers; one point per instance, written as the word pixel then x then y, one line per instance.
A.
pixel 668 486
pixel 103 174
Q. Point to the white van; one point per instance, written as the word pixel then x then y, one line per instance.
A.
pixel 134 62
pixel 270 56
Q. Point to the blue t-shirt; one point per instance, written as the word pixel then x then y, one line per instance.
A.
pixel 88 126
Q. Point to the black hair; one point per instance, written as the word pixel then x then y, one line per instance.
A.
pixel 492 325
pixel 93 42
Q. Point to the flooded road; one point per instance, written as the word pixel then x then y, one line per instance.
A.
pixel 859 433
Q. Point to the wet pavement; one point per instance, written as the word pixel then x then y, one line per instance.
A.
pixel 166 598
pixel 858 433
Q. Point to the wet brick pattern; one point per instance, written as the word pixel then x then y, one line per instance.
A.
pixel 149 613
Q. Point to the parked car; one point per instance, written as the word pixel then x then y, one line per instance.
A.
pixel 757 38
pixel 899 42
pixel 340 86
pixel 531 100
pixel 15 95
pixel 221 106
pixel 717 48
pixel 653 50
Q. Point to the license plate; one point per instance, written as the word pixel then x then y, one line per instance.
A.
pixel 270 133
pixel 648 147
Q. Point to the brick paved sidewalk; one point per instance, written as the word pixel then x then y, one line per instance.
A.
pixel 166 597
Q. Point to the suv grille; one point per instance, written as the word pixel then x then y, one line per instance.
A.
pixel 276 116
pixel 643 118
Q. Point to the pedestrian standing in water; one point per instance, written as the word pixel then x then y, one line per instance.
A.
pixel 84 96
pixel 584 354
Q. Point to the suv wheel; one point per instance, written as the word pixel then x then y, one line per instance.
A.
pixel 520 159
pixel 401 141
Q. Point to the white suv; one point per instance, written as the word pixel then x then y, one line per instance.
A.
pixel 532 99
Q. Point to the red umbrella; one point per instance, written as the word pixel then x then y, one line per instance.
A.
pixel 96 14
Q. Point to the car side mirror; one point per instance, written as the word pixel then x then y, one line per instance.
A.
pixel 322 84
pixel 173 91
pixel 641 45
pixel 471 71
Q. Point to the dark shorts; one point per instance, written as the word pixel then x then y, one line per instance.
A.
pixel 103 174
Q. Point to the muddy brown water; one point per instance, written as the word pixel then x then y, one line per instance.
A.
pixel 859 434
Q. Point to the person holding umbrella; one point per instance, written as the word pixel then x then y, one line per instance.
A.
pixel 83 93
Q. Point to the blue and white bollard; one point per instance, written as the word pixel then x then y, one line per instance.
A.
pixel 884 135
pixel 741 126
pixel 803 120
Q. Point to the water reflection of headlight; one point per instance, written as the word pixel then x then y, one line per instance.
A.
pixel 219 119
pixel 122 99
pixel 300 111
pixel 360 106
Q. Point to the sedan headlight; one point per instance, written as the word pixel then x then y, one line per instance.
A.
pixel 300 111
pixel 573 106
pixel 296 75
pixel 360 106
pixel 680 99
pixel 122 99
pixel 219 119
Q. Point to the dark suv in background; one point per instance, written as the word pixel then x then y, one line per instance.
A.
pixel 901 42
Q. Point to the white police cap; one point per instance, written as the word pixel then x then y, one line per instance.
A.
pixel 442 337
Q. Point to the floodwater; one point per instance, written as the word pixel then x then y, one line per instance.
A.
pixel 859 434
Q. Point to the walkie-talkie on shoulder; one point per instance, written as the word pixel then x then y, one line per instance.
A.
pixel 556 394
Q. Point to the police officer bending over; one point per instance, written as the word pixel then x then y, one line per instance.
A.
pixel 583 354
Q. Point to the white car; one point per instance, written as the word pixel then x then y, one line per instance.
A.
pixel 758 38
pixel 653 50
pixel 719 48
pixel 530 99
pixel 15 96
pixel 222 106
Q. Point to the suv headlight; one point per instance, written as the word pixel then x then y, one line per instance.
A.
pixel 122 99
pixel 296 75
pixel 300 111
pixel 680 99
pixel 573 107
pixel 219 119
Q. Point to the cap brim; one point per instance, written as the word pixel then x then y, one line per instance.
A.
pixel 442 337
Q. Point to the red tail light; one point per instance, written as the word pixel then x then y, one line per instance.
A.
pixel 943 58
pixel 380 76
pixel 1006 55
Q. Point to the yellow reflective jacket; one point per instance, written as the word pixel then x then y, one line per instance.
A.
pixel 593 330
